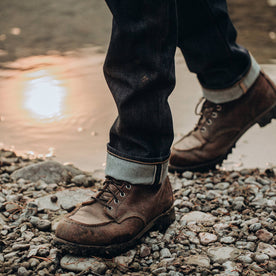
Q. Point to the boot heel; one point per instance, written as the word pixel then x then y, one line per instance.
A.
pixel 165 221
pixel 266 119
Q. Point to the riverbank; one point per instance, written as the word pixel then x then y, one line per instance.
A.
pixel 225 223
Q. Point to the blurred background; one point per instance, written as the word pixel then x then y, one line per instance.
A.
pixel 53 97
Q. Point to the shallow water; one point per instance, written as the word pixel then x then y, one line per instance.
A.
pixel 59 104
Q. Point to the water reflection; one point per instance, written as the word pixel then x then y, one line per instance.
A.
pixel 44 96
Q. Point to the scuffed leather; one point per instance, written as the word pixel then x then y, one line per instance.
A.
pixel 94 224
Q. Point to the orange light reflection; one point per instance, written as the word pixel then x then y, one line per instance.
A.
pixel 44 96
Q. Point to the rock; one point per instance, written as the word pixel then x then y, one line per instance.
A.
pixel 199 260
pixel 165 253
pixel 255 227
pixel 80 179
pixel 22 271
pixel 261 258
pixel 222 186
pixel 220 226
pixel 246 245
pixel 206 238
pixel 79 264
pixel 266 249
pixel 187 175
pixel 42 225
pixel 144 251
pixel 264 235
pixel 271 266
pixel 66 199
pixel 126 259
pixel 198 217
pixel 231 269
pixel 48 171
pixel 246 259
pixel 222 254
pixel 228 240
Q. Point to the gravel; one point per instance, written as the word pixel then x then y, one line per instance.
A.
pixel 225 223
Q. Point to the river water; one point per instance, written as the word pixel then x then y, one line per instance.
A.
pixel 53 97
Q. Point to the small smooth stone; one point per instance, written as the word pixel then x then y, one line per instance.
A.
pixel 261 258
pixel 206 238
pixel 228 240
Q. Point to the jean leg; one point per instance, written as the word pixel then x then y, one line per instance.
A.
pixel 207 39
pixel 139 70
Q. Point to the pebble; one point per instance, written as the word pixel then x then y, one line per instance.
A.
pixel 78 264
pixel 266 249
pixel 144 251
pixel 22 271
pixel 228 240
pixel 206 238
pixel 165 253
pixel 264 235
pixel 261 258
pixel 199 260
pixel 222 186
pixel 255 227
pixel 187 175
pixel 222 254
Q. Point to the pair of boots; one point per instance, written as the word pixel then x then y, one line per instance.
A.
pixel 121 213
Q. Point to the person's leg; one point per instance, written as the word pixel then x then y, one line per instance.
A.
pixel 237 94
pixel 139 71
pixel 137 194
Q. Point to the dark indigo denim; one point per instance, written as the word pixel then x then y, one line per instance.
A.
pixel 140 73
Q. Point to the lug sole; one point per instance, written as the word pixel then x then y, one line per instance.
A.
pixel 162 222
pixel 262 120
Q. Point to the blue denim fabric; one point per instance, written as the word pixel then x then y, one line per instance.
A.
pixel 140 72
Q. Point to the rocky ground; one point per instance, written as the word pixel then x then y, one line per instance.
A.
pixel 225 223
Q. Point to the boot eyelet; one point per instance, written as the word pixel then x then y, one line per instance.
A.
pixel 122 194
pixel 219 107
pixel 109 208
pixel 209 122
pixel 203 129
pixel 128 186
pixel 116 201
pixel 214 114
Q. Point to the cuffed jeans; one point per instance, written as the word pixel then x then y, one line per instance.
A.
pixel 140 72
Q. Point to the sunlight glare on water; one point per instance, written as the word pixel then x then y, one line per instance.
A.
pixel 44 96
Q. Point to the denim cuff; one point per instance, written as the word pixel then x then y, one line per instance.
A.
pixel 229 94
pixel 135 172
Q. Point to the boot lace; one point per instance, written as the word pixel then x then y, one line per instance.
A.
pixel 110 190
pixel 209 112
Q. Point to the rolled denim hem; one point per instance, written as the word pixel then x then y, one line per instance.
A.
pixel 241 87
pixel 135 173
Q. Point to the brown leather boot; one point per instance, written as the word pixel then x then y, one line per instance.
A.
pixel 116 218
pixel 221 125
